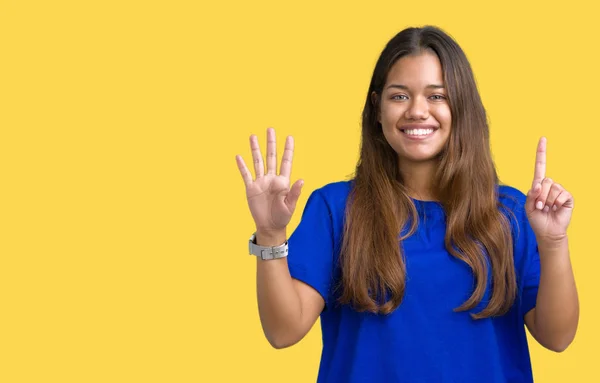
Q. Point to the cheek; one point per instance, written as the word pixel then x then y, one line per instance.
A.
pixel 443 115
pixel 390 114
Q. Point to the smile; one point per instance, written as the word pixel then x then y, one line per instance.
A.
pixel 418 133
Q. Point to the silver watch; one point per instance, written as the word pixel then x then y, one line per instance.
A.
pixel 267 252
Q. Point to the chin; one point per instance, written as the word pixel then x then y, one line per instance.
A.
pixel 419 158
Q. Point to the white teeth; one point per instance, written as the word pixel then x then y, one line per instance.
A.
pixel 418 132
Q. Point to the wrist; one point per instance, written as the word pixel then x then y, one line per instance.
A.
pixel 558 243
pixel 270 238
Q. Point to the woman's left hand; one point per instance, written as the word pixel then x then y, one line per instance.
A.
pixel 549 206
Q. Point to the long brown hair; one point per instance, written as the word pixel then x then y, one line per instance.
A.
pixel 379 206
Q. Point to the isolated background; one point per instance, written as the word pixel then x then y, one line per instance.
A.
pixel 123 220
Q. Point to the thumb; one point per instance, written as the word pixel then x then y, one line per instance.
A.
pixel 292 197
pixel 535 192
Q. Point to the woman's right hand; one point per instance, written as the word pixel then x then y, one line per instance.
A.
pixel 270 198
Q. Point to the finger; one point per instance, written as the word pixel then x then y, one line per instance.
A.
pixel 555 190
pixel 564 199
pixel 292 197
pixel 271 152
pixel 259 167
pixel 246 176
pixel 540 162
pixel 541 199
pixel 531 197
pixel 288 155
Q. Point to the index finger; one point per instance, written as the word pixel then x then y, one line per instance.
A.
pixel 540 162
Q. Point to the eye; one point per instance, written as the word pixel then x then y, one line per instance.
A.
pixel 400 97
pixel 438 97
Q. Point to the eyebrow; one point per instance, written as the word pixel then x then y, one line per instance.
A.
pixel 400 86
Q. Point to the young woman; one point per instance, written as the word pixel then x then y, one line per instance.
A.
pixel 423 268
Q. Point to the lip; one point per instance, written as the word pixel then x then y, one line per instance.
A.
pixel 418 126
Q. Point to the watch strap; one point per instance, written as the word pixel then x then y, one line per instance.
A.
pixel 267 252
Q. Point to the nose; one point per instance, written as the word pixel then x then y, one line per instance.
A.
pixel 418 109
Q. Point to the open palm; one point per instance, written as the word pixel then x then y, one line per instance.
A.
pixel 270 198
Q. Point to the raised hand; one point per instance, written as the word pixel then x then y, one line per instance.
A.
pixel 270 198
pixel 549 206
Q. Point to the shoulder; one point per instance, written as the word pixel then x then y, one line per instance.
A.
pixel 512 204
pixel 512 199
pixel 334 194
pixel 327 205
pixel 337 188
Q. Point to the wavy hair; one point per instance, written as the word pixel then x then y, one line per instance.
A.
pixel 379 206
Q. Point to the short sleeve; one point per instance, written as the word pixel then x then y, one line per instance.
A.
pixel 527 257
pixel 311 246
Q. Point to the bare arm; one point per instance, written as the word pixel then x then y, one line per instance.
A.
pixel 288 308
pixel 553 323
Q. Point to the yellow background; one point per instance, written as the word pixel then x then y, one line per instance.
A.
pixel 124 225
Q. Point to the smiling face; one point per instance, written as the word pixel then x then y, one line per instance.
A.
pixel 414 111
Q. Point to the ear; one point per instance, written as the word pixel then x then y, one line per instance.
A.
pixel 375 102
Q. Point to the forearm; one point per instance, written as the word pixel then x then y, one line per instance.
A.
pixel 279 304
pixel 557 305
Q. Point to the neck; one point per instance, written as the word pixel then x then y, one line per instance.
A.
pixel 418 179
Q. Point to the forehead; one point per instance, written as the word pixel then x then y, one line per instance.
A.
pixel 416 70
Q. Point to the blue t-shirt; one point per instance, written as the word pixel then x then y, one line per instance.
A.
pixel 424 340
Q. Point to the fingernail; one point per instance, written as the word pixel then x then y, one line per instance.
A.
pixel 546 209
pixel 554 208
pixel 539 205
